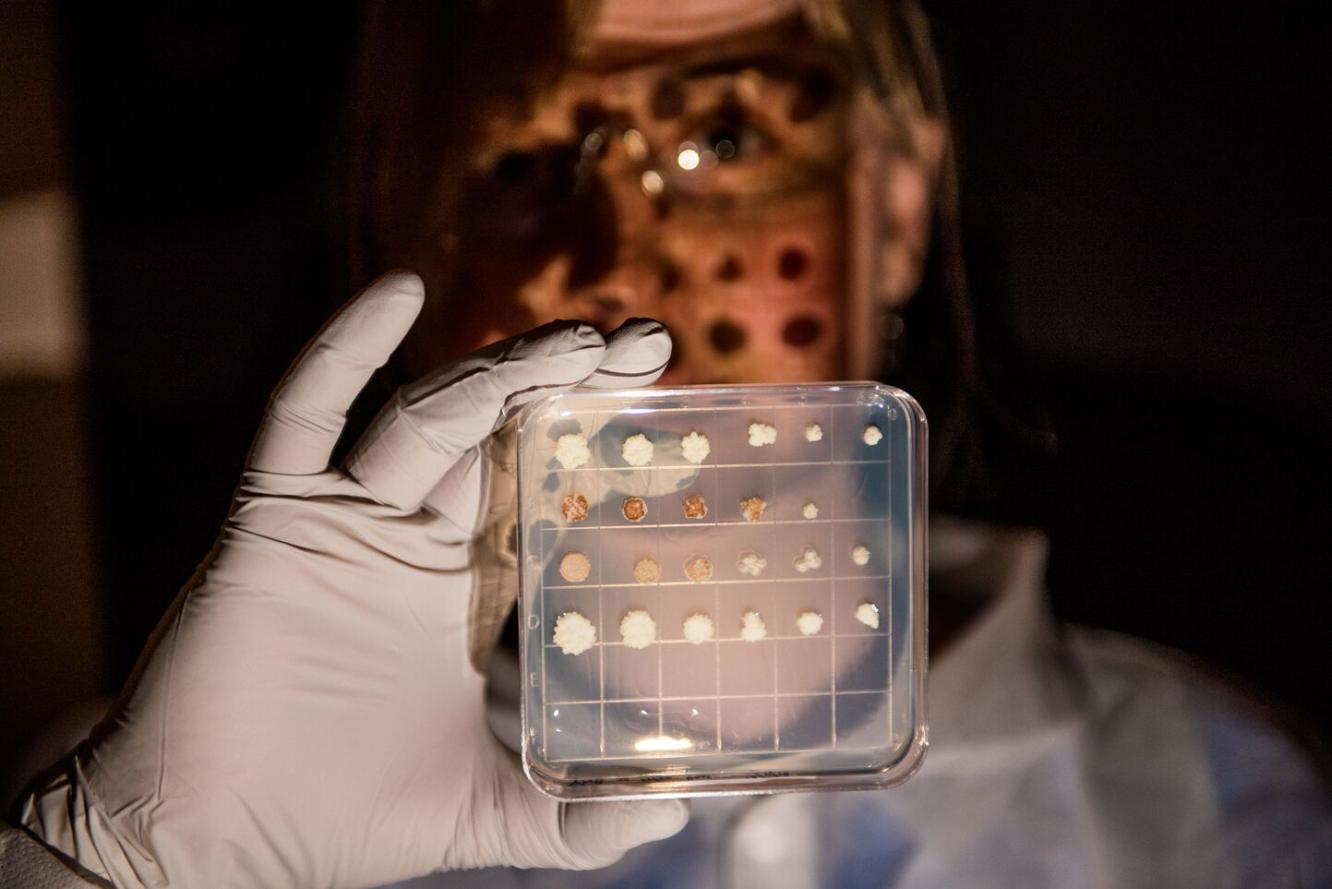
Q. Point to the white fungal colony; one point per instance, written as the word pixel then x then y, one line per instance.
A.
pixel 813 432
pixel 752 627
pixel 808 560
pixel 809 622
pixel 751 563
pixel 761 434
pixel 868 614
pixel 698 628
pixel 810 510
pixel 574 634
pixel 638 629
pixel 695 447
pixel 860 554
pixel 637 450
pixel 873 435
pixel 571 450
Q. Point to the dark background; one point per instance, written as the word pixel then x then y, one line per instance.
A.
pixel 1143 205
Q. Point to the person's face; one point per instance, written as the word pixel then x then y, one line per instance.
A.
pixel 709 191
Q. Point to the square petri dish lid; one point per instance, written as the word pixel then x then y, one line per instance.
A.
pixel 722 589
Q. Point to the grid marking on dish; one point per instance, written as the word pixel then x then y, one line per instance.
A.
pixel 739 581
pixel 776 723
pixel 721 697
pixel 659 641
pixel 832 625
pixel 716 645
pixel 714 523
pixel 891 413
pixel 545 729
pixel 661 710
pixel 773 464
pixel 698 754
pixel 601 649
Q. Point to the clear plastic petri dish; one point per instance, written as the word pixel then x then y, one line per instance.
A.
pixel 722 589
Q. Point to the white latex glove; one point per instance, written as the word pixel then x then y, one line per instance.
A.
pixel 307 714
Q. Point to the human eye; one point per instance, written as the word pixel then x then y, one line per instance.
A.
pixel 732 138
pixel 524 189
pixel 727 137
pixel 537 174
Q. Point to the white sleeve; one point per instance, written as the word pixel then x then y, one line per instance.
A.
pixel 27 864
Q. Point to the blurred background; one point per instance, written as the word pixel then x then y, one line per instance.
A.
pixel 1143 203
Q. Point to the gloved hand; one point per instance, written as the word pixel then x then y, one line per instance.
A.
pixel 307 714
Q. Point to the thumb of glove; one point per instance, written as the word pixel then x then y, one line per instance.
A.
pixel 600 833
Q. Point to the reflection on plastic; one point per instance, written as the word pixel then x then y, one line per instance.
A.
pixel 662 743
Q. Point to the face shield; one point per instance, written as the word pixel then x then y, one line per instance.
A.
pixel 733 191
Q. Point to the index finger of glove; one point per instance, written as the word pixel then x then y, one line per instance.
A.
pixel 419 435
pixel 636 355
pixel 308 409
